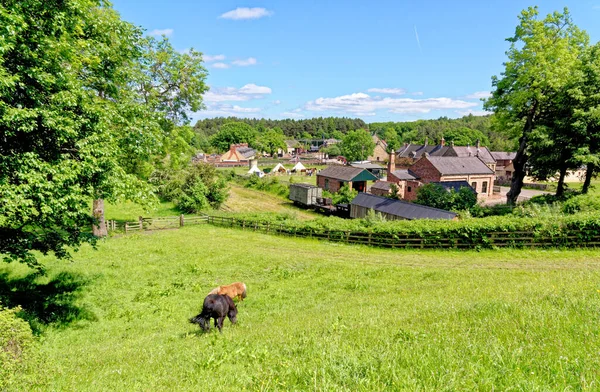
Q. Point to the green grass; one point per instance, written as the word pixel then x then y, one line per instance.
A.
pixel 321 316
pixel 130 211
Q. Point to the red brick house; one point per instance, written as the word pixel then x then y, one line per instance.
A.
pixel 238 153
pixel 443 169
pixel 504 166
pixel 334 177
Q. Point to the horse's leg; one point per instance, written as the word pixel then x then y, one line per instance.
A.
pixel 220 326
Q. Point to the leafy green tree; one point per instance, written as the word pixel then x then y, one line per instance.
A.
pixel 61 87
pixel 434 195
pixel 344 195
pixel 233 133
pixel 464 136
pixel 357 145
pixel 271 141
pixel 540 63
pixel 332 150
pixel 391 138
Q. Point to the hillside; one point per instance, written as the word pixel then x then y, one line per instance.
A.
pixel 318 316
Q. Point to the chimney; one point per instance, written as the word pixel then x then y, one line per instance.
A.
pixel 477 145
pixel 232 147
pixel 452 143
pixel 392 162
pixel 426 140
pixel 443 141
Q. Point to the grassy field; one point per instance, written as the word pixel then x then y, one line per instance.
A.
pixel 243 199
pixel 318 316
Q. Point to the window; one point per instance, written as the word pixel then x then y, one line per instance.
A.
pixel 409 189
pixel 484 187
pixel 474 185
pixel 327 184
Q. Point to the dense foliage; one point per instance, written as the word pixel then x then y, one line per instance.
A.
pixel 535 96
pixel 193 189
pixel 462 131
pixel 357 145
pixel 317 128
pixel 435 195
pixel 17 351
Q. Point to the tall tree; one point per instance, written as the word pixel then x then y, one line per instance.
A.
pixel 357 145
pixel 271 141
pixel 56 144
pixel 541 58
pixel 233 133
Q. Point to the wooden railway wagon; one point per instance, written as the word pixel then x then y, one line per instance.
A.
pixel 305 194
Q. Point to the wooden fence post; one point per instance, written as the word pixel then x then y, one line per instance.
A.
pixel 181 220
pixel 141 220
pixel 125 227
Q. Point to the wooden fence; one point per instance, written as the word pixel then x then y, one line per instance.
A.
pixel 160 223
pixel 514 239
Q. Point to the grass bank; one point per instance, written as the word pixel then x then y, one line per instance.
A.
pixel 320 316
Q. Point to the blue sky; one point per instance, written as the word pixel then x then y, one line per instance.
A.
pixel 378 60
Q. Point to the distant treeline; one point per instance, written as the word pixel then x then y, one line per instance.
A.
pixel 463 131
pixel 319 127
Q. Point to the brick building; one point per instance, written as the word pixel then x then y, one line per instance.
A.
pixel 334 177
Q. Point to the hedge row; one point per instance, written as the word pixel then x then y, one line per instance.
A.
pixel 578 230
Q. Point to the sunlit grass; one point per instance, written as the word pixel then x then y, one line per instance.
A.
pixel 322 316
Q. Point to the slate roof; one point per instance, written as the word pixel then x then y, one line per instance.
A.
pixel 456 185
pixel 450 166
pixel 382 185
pixel 246 152
pixel 501 155
pixel 471 151
pixel 367 166
pixel 416 150
pixel 347 173
pixel 400 208
pixel 405 174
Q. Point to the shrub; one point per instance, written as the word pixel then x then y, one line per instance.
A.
pixel 18 352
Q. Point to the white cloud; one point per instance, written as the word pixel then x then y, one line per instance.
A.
pixel 473 112
pixel 210 58
pixel 391 91
pixel 254 89
pixel 220 65
pixel 417 93
pixel 479 95
pixel 292 114
pixel 244 62
pixel 241 13
pixel 230 94
pixel 276 102
pixel 224 109
pixel 160 32
pixel 364 104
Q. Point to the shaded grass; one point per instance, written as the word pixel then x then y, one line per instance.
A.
pixel 323 316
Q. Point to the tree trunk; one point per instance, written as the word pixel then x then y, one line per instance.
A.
pixel 560 187
pixel 520 160
pixel 98 213
pixel 589 174
pixel 516 183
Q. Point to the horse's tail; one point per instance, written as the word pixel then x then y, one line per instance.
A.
pixel 196 320
pixel 244 292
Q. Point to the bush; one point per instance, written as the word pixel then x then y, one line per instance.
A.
pixel 18 351
pixel 196 188
pixel 435 195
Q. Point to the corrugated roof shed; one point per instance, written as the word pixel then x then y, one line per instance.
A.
pixel 400 208
pixel 449 166
pixel 347 173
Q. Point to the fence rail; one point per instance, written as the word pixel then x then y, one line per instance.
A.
pixel 514 239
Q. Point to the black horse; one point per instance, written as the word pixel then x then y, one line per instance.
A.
pixel 217 307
